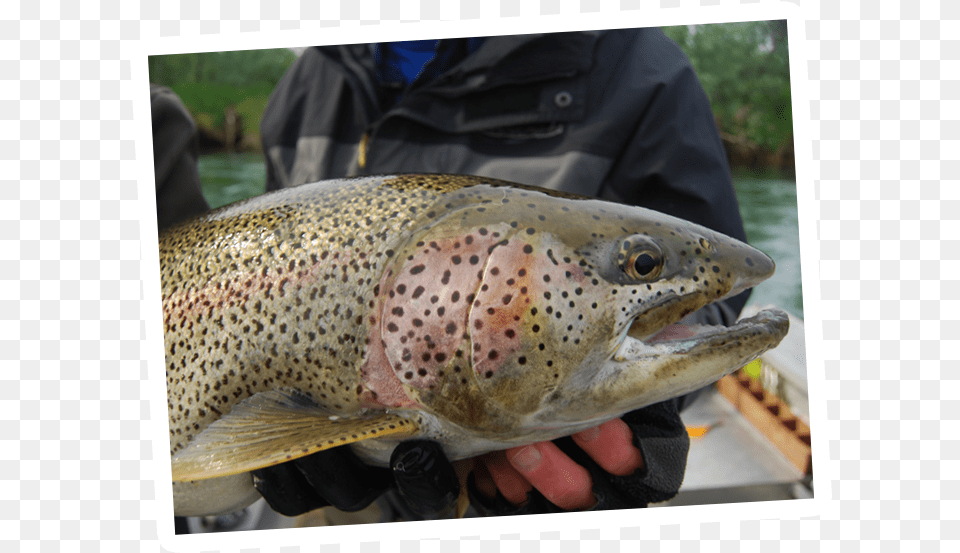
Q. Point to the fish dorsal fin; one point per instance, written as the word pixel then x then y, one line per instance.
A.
pixel 274 427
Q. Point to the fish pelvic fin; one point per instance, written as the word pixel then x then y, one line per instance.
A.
pixel 274 427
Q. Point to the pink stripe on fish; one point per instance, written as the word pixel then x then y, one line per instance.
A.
pixel 519 283
pixel 426 308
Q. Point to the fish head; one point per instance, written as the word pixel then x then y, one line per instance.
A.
pixel 612 286
pixel 517 313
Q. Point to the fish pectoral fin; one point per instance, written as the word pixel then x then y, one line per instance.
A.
pixel 274 427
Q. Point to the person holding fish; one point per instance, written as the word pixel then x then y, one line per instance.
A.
pixel 618 115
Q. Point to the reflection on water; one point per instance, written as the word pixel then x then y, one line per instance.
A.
pixel 228 178
pixel 769 208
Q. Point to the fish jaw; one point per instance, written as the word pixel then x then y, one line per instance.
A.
pixel 642 373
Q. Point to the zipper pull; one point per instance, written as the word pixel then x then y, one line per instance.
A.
pixel 362 150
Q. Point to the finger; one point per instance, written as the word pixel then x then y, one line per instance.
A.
pixel 611 446
pixel 511 484
pixel 563 482
pixel 483 481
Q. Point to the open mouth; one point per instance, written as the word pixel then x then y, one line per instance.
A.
pixel 760 332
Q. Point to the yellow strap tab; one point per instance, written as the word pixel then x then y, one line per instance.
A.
pixel 362 150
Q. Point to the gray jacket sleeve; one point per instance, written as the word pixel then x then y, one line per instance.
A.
pixel 175 159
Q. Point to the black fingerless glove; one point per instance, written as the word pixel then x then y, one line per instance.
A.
pixel 425 479
pixel 662 439
pixel 331 477
pixel 419 471
pixel 663 442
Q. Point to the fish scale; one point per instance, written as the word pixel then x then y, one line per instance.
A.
pixel 477 313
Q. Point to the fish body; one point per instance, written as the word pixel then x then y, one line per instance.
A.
pixel 477 313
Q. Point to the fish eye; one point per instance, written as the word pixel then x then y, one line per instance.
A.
pixel 644 263
pixel 640 260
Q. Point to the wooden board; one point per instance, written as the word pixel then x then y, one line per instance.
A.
pixel 771 416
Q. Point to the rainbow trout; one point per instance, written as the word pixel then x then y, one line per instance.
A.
pixel 476 313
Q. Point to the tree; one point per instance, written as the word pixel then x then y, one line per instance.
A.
pixel 745 71
pixel 209 83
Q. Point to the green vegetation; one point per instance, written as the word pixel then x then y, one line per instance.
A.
pixel 211 82
pixel 744 69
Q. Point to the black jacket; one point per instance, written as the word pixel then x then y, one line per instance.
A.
pixel 616 114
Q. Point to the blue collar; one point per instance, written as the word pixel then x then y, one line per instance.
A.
pixel 401 64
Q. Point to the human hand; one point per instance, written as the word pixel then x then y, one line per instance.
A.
pixel 562 481
pixel 625 463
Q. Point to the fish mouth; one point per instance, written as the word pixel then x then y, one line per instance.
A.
pixel 670 323
pixel 676 360
pixel 754 335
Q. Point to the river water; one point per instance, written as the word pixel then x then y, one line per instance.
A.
pixel 768 207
